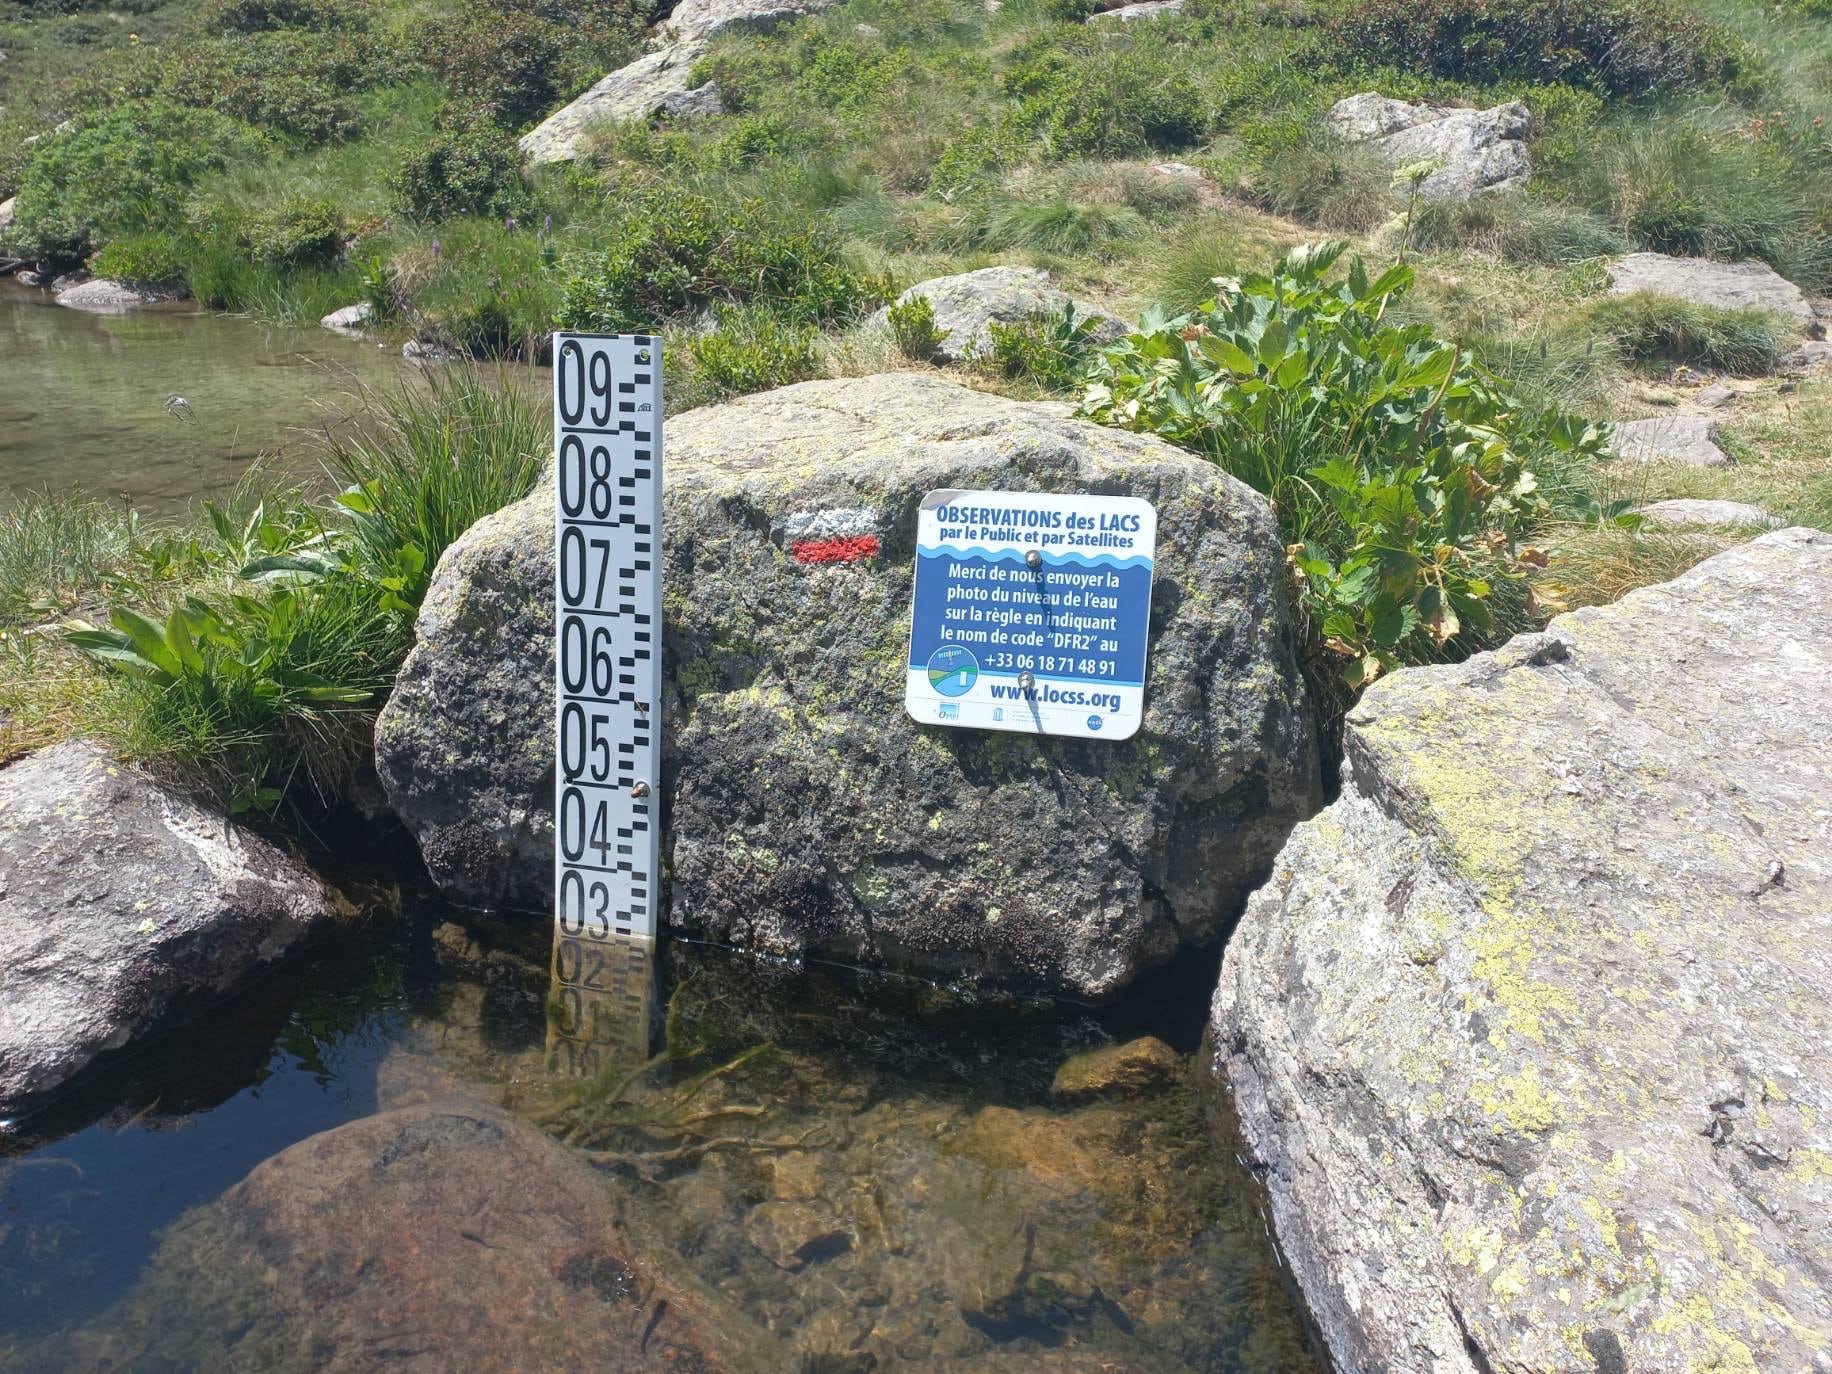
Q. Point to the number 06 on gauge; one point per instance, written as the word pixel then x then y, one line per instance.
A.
pixel 607 425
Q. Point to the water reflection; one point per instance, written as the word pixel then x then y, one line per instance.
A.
pixel 601 1009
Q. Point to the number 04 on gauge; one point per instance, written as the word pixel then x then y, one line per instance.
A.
pixel 607 424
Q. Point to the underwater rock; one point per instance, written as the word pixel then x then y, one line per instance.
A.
pixel 808 815
pixel 1136 1067
pixel 122 906
pixel 1530 1034
pixel 445 1237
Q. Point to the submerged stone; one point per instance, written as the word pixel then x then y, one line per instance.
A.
pixel 808 815
pixel 1530 1034
pixel 123 905
pixel 444 1237
pixel 1138 1066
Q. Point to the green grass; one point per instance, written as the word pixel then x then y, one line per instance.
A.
pixel 55 551
pixel 1651 328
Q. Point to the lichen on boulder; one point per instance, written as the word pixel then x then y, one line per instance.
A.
pixel 806 813
pixel 1530 1034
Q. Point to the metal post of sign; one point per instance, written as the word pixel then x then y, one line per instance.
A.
pixel 607 420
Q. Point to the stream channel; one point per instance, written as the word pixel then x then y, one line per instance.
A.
pixel 925 1202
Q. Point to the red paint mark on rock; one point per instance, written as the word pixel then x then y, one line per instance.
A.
pixel 849 550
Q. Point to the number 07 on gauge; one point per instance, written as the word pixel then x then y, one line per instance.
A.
pixel 607 426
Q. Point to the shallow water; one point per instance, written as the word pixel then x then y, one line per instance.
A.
pixel 915 1200
pixel 83 397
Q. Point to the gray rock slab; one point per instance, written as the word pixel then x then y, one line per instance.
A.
pixel 1146 9
pixel 1530 1034
pixel 702 20
pixel 966 307
pixel 351 320
pixel 1687 439
pixel 1726 513
pixel 1715 396
pixel 654 84
pixel 807 813
pixel 1479 150
pixel 1726 285
pixel 122 904
pixel 100 296
pixel 1811 356
pixel 7 216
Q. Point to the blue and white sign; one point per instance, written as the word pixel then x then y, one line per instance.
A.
pixel 1031 612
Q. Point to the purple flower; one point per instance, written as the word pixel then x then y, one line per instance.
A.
pixel 435 248
pixel 547 225
pixel 509 223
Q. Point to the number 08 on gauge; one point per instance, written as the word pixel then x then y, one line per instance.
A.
pixel 607 423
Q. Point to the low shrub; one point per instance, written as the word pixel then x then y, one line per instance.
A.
pixel 1648 327
pixel 515 60
pixel 1624 48
pixel 469 167
pixel 679 251
pixel 296 84
pixel 300 231
pixel 124 170
pixel 1049 351
pixel 1404 480
pixel 912 325
pixel 264 16
pixel 155 256
pixel 753 350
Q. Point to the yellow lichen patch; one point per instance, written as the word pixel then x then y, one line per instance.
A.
pixel 1810 1165
pixel 1522 1101
pixel 1692 1329
pixel 1605 1221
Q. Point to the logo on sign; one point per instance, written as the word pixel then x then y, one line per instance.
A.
pixel 950 710
pixel 953 671
pixel 1094 722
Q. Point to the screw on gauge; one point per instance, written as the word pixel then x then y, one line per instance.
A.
pixel 640 789
pixel 1034 558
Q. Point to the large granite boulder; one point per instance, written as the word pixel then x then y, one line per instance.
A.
pixel 806 813
pixel 1689 440
pixel 100 296
pixel 1726 285
pixel 1476 150
pixel 966 307
pixel 657 83
pixel 1530 1034
pixel 654 84
pixel 432 1239
pixel 123 905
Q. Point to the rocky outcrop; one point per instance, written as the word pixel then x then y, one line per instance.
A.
pixel 351 320
pixel 807 814
pixel 1725 285
pixel 100 296
pixel 1476 150
pixel 1687 439
pixel 1735 514
pixel 1145 9
pixel 658 83
pixel 1530 1034
pixel 1811 356
pixel 122 905
pixel 435 1238
pixel 968 305
pixel 654 84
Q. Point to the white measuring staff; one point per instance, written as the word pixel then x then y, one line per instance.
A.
pixel 607 426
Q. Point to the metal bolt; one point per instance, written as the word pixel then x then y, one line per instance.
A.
pixel 1026 681
pixel 640 789
pixel 642 355
pixel 1034 558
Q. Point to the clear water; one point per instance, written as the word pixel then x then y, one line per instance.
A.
pixel 83 397
pixel 980 1226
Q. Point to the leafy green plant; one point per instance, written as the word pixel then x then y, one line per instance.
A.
pixel 299 231
pixel 1050 351
pixel 1083 97
pixel 514 60
pixel 912 325
pixel 54 550
pixel 294 83
pixel 1404 480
